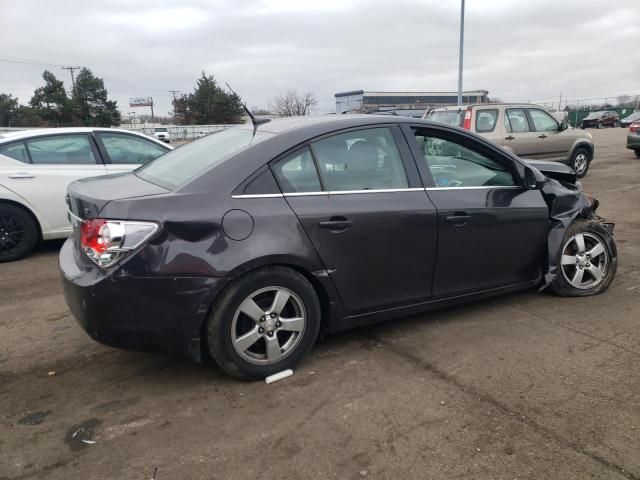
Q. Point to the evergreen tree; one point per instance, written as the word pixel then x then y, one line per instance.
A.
pixel 51 102
pixel 91 104
pixel 210 104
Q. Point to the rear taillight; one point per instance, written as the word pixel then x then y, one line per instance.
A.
pixel 106 241
pixel 634 127
pixel 466 123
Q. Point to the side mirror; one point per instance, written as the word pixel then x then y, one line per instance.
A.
pixel 563 126
pixel 533 179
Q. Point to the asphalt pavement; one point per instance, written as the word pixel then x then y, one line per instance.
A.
pixel 523 386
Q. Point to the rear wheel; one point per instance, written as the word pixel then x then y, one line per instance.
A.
pixel 637 152
pixel 598 125
pixel 615 124
pixel 265 322
pixel 18 233
pixel 587 261
pixel 580 161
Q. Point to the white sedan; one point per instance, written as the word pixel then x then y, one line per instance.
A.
pixel 36 166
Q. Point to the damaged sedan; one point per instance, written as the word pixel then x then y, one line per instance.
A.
pixel 247 244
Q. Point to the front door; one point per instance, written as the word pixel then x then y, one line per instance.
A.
pixel 373 227
pixel 553 143
pixel 491 231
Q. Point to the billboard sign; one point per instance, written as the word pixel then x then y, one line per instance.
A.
pixel 140 101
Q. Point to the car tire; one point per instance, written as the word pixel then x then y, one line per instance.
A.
pixel 598 125
pixel 615 124
pixel 580 161
pixel 573 258
pixel 637 152
pixel 242 344
pixel 18 233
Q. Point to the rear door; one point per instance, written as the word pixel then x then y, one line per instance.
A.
pixel 553 144
pixel 124 152
pixel 52 163
pixel 519 136
pixel 491 231
pixel 359 198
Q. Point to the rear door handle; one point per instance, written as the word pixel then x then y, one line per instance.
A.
pixel 510 137
pixel 22 175
pixel 458 220
pixel 542 136
pixel 337 224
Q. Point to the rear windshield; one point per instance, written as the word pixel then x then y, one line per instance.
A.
pixel 449 117
pixel 184 163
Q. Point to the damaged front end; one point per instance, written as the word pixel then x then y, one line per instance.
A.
pixel 567 202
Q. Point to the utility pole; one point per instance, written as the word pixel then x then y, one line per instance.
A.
pixel 153 117
pixel 73 80
pixel 461 52
pixel 173 92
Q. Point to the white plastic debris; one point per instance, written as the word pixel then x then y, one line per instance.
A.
pixel 278 376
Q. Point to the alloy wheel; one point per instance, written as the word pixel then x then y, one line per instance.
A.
pixel 11 234
pixel 268 325
pixel 580 163
pixel 584 261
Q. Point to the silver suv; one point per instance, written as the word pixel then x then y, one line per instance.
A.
pixel 527 130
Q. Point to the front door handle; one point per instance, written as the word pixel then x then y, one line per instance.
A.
pixel 337 224
pixel 459 220
pixel 542 136
pixel 510 137
pixel 22 175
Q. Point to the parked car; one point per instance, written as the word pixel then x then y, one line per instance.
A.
pixel 37 165
pixel 247 243
pixel 600 119
pixel 633 138
pixel 162 134
pixel 629 119
pixel 527 130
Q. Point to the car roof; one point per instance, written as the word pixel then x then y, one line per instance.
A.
pixel 330 122
pixel 488 105
pixel 36 132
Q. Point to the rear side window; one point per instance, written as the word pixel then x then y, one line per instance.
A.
pixel 17 151
pixel 61 150
pixel 360 160
pixel 486 120
pixel 448 117
pixel 184 163
pixel 127 149
pixel 516 120
pixel 297 173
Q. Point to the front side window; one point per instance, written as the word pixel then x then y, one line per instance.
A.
pixel 360 160
pixel 542 121
pixel 454 165
pixel 61 149
pixel 184 163
pixel 17 151
pixel 129 150
pixel 297 173
pixel 517 120
pixel 486 120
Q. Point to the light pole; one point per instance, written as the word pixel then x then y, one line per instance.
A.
pixel 461 52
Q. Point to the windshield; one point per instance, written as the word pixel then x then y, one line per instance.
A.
pixel 160 130
pixel 449 117
pixel 176 167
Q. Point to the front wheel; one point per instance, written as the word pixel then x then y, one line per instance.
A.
pixel 580 161
pixel 598 125
pixel 587 261
pixel 18 233
pixel 265 322
pixel 615 124
pixel 637 152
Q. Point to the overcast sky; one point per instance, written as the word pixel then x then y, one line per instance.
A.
pixel 518 50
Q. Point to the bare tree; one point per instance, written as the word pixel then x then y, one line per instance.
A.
pixel 292 104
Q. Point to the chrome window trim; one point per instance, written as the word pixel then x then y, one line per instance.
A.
pixel 353 192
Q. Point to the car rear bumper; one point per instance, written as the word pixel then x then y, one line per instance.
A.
pixel 139 313
pixel 633 141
